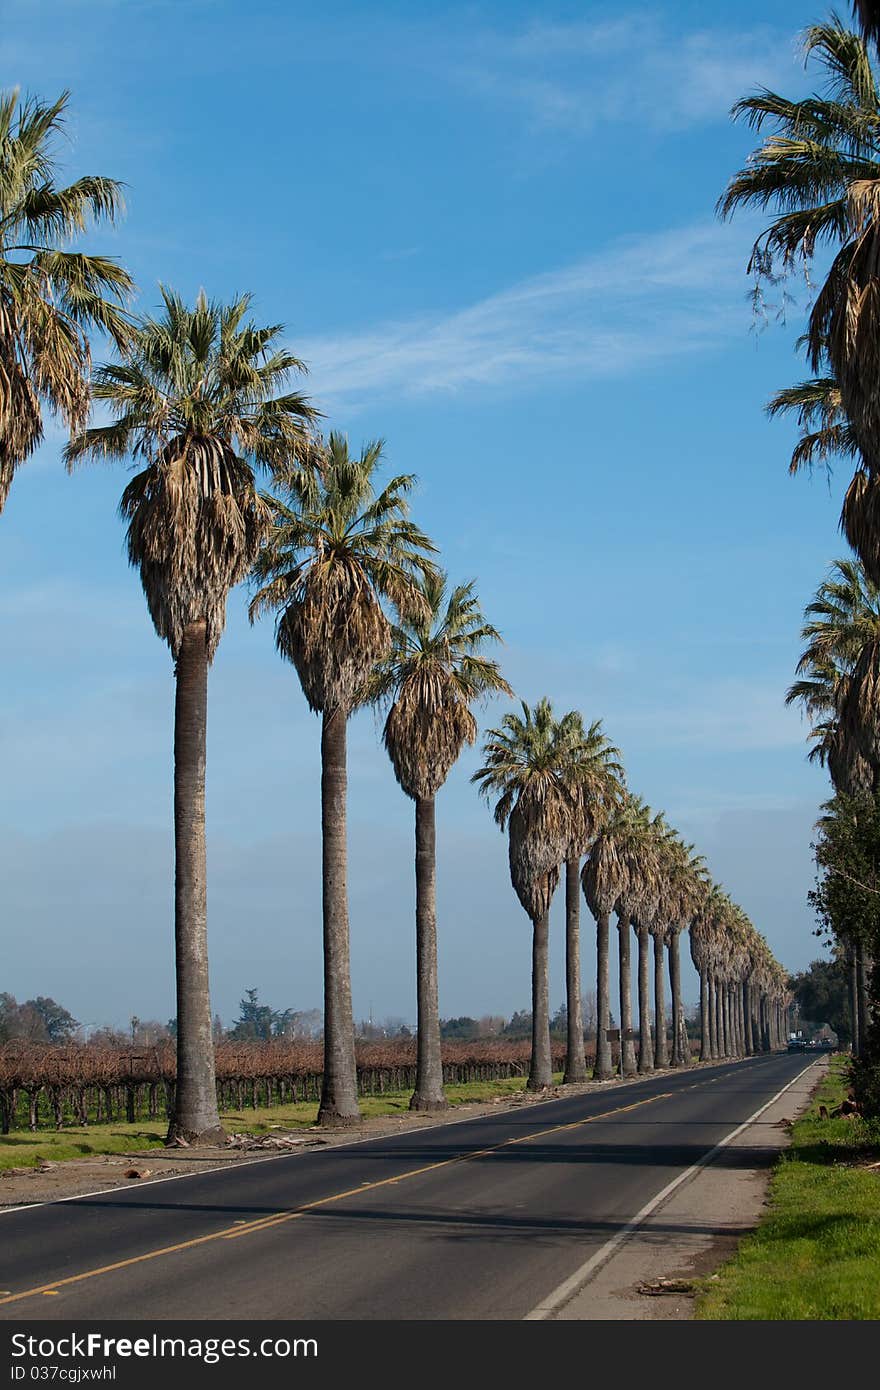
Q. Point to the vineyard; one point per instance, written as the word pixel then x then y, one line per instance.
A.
pixel 53 1086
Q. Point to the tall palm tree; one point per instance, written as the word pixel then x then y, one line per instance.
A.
pixel 529 767
pixel 838 673
pixel 703 936
pixel 197 399
pixel 819 172
pixel 337 550
pixel 612 882
pixel 651 920
pixel 433 674
pixel 597 781
pixel 50 297
pixel 657 929
pixel 604 879
pixel 686 892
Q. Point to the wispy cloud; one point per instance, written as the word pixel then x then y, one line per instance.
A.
pixel 645 300
pixel 724 715
pixel 634 70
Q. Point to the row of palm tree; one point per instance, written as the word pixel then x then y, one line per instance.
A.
pixel 199 399
pixel 818 171
pixel 559 791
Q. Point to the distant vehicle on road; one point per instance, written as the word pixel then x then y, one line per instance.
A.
pixel 796 1044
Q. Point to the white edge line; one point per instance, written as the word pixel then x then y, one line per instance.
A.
pixel 226 1167
pixel 560 1295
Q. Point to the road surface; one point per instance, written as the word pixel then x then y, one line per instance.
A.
pixel 476 1219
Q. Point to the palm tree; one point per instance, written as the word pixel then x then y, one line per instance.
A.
pixel 867 12
pixel 838 673
pixel 686 892
pixel 530 767
pixel 819 172
pixel 433 674
pixel 703 936
pixel 195 397
pixel 336 551
pixel 50 298
pixel 597 779
pixel 604 879
pixel 647 909
pixel 612 882
pixel 657 928
pixel 826 432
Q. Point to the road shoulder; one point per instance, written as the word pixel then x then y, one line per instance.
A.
pixel 698 1227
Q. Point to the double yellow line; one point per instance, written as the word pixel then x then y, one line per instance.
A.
pixel 263 1223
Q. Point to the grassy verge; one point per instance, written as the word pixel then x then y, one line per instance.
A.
pixel 22 1149
pixel 816 1254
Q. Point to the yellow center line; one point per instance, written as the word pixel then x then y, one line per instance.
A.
pixel 262 1223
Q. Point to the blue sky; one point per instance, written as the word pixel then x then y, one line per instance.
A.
pixel 490 231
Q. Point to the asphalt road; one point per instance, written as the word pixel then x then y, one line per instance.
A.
pixel 479 1219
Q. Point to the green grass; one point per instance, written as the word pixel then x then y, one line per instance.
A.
pixel 22 1149
pixel 816 1254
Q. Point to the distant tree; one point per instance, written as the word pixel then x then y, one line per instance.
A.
pixel 149 1032
pixel 109 1037
pixel 821 993
pixel 8 1012
pixel 559 1022
pixel 490 1025
pixel 300 1023
pixel 519 1025
pixel 60 1025
pixel 255 1020
pixel 589 1013
pixel 368 1031
pixel 37 1020
pixel 462 1029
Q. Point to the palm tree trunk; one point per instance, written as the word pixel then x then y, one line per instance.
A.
pixel 705 1041
pixel 661 1053
pixel 339 1104
pixel 575 1061
pixel 627 1046
pixel 746 1006
pixel 725 1020
pixel 678 1056
pixel 541 1069
pixel 737 1008
pixel 428 1094
pixel 603 1069
pixel 195 1117
pixel 646 1051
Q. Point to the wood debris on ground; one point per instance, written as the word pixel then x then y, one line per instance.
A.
pixel 271 1141
pixel 662 1286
